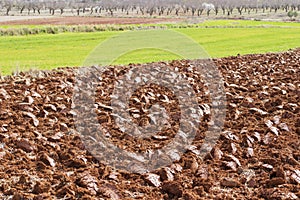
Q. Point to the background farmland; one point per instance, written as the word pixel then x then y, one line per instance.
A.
pixel 47 35
pixel 63 134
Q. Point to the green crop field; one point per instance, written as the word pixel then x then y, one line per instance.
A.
pixel 47 51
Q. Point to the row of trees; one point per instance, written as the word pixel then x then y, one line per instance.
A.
pixel 150 7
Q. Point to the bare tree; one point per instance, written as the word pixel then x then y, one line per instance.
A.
pixel 38 7
pixel 21 5
pixel 151 7
pixel 177 7
pixel 77 6
pixel 110 6
pixel 7 5
pixel 192 5
pixel 62 5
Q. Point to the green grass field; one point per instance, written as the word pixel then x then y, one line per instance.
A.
pixel 46 51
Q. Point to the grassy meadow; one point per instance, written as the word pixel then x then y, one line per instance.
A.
pixel 48 51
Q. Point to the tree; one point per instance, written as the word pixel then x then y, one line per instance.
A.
pixel 7 5
pixel 292 14
pixel 152 7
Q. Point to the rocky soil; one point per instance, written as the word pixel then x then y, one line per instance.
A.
pixel 256 157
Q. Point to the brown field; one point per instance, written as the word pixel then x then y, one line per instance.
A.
pixel 84 21
pixel 256 157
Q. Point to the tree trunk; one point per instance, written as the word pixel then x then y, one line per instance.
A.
pixel 142 11
pixel 162 11
pixel 111 12
pixel 293 8
pixel 216 10
pixel 169 11
pixel 193 11
pixel 200 11
pixel 286 8
pixel 151 12
pixel 223 10
pixel 208 12
pixel 240 10
pixel 8 10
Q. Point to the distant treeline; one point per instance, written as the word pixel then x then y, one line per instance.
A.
pixel 147 7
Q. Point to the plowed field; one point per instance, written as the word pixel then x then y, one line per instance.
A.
pixel 256 157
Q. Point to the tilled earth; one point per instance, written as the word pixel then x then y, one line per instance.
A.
pixel 82 20
pixel 256 157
